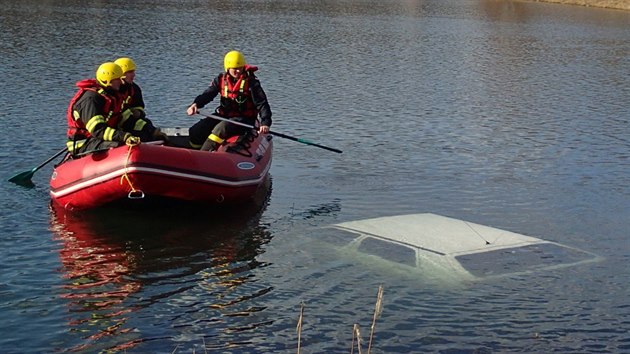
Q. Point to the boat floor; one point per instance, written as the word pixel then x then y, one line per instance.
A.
pixel 177 137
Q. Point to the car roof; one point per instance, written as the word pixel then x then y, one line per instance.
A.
pixel 439 234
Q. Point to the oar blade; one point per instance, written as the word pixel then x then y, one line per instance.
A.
pixel 23 179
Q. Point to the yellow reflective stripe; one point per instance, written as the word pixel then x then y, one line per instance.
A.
pixel 138 108
pixel 216 139
pixel 72 145
pixel 242 86
pixel 91 124
pixel 108 135
pixel 139 125
pixel 76 115
pixel 196 146
pixel 125 115
pixel 225 89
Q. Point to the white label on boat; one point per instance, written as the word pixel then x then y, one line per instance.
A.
pixel 245 165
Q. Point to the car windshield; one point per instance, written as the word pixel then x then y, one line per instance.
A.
pixel 521 259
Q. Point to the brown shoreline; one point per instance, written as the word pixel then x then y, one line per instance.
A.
pixel 608 4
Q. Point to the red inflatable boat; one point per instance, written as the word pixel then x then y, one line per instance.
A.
pixel 230 175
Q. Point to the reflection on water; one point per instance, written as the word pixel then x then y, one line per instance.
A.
pixel 97 283
pixel 118 262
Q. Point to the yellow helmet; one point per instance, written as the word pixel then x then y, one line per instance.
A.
pixel 127 64
pixel 108 72
pixel 234 59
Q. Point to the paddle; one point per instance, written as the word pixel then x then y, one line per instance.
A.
pixel 272 133
pixel 24 178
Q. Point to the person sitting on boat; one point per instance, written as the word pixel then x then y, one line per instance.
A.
pixel 95 111
pixel 242 100
pixel 134 118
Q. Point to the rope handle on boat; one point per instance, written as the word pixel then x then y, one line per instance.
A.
pixel 134 193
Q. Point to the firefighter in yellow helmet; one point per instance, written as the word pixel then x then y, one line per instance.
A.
pixel 94 112
pixel 242 99
pixel 134 118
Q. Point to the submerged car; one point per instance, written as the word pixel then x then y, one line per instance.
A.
pixel 465 250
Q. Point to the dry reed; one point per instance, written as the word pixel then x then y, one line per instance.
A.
pixel 356 333
pixel 378 309
pixel 299 327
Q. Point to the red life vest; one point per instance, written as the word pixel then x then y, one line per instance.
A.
pixel 112 107
pixel 236 97
pixel 127 95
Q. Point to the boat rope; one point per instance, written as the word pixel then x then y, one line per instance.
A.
pixel 134 193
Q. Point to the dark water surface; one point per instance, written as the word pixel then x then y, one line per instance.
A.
pixel 508 114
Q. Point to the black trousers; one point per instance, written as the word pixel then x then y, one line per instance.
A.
pixel 199 132
pixel 93 144
pixel 145 134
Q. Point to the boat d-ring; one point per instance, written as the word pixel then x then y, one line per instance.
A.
pixel 220 199
pixel 135 194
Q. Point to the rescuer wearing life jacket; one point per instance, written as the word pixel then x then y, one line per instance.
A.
pixel 95 111
pixel 134 118
pixel 242 100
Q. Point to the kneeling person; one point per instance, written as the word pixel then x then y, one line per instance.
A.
pixel 94 113
pixel 134 118
pixel 242 99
